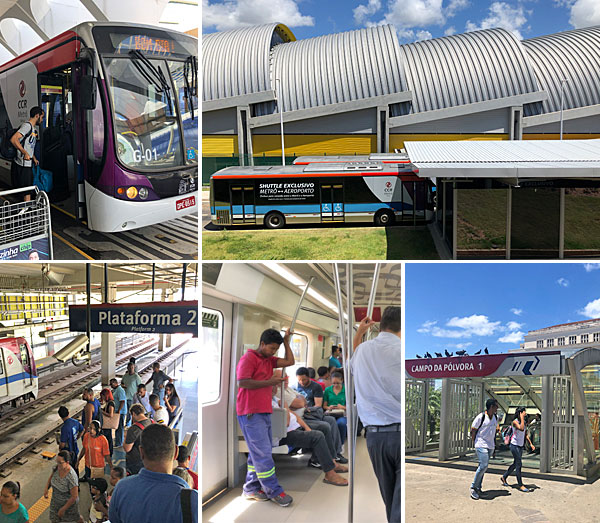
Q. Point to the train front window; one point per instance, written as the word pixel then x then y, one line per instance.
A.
pixel 145 115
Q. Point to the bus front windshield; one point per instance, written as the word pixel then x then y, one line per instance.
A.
pixel 146 113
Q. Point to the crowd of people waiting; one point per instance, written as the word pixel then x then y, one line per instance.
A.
pixel 156 483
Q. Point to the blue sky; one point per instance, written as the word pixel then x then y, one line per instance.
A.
pixel 471 306
pixel 413 19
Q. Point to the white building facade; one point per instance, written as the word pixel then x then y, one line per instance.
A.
pixel 576 335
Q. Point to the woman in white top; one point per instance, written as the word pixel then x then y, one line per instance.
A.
pixel 517 441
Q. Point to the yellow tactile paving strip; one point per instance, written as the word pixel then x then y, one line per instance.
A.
pixel 39 507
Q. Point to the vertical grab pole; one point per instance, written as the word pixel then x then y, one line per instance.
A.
pixel 292 325
pixel 340 304
pixel 350 392
pixel 372 295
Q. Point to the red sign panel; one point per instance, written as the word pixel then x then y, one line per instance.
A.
pixel 361 312
pixel 185 203
pixel 454 367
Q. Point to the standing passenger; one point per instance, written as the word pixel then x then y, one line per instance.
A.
pixel 158 380
pixel 130 382
pixel 517 442
pixel 24 140
pixel 255 378
pixel 159 413
pixel 70 432
pixel 121 407
pixel 108 415
pixel 133 459
pixel 377 368
pixel 172 402
pixel 334 359
pixel 64 504
pixel 141 397
pixel 91 409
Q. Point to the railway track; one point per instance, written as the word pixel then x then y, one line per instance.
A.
pixel 46 434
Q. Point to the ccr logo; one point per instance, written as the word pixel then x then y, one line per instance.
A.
pixel 388 184
pixel 22 88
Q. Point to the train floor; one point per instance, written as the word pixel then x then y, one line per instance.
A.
pixel 313 499
pixel 34 473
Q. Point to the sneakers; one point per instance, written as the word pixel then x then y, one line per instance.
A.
pixel 283 500
pixel 341 459
pixel 259 495
pixel 474 494
pixel 313 463
pixel 503 481
pixel 524 489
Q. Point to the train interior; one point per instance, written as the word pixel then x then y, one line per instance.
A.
pixel 240 301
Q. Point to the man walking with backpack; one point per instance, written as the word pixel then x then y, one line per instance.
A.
pixel 133 438
pixel 24 141
pixel 483 434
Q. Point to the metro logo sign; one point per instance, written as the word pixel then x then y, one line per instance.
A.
pixel 455 367
pixel 22 88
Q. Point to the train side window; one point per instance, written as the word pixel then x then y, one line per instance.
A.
pixel 299 347
pixel 212 335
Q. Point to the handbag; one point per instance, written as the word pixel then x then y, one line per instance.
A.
pixel 314 413
pixel 96 472
pixel 111 423
pixel 42 178
pixel 336 413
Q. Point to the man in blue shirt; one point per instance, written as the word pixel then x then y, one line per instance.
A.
pixel 70 432
pixel 313 393
pixel 154 495
pixel 121 408
pixel 334 359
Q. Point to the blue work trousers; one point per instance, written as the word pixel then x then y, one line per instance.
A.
pixel 483 456
pixel 261 467
pixel 129 403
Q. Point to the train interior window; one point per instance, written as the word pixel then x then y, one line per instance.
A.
pixel 300 349
pixel 212 336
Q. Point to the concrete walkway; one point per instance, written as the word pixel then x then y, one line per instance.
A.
pixel 439 494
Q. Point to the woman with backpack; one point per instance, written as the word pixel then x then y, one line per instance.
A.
pixel 517 434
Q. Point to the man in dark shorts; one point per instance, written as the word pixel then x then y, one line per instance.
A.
pixel 24 141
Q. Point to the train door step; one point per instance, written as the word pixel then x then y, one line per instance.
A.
pixel 48 455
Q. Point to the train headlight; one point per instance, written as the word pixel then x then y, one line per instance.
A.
pixel 131 192
pixel 143 192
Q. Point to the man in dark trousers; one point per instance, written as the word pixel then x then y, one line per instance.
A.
pixel 377 369
pixel 255 378
pixel 24 142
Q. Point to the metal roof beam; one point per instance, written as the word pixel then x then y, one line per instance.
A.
pixel 568 114
pixel 330 109
pixel 464 110
pixel 94 10
pixel 236 101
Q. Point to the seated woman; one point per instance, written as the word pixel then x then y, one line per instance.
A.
pixel 299 434
pixel 334 403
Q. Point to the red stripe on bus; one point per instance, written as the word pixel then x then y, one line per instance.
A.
pixel 308 175
pixel 344 161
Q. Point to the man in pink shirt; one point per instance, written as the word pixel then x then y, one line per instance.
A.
pixel 255 378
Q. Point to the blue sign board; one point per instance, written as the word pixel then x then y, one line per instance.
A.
pixel 150 318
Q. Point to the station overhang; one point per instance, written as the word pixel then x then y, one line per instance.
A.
pixel 493 365
pixel 512 160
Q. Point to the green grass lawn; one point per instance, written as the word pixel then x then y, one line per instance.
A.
pixel 582 220
pixel 326 243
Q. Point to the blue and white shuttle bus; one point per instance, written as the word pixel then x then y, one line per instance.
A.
pixel 363 191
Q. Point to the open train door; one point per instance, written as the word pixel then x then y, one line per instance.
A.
pixel 27 362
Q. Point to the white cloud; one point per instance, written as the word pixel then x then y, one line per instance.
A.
pixel 423 35
pixel 477 324
pixel 502 15
pixel 450 31
pixel 563 282
pixel 426 327
pixel 512 337
pixel 589 267
pixel 592 309
pixel 363 12
pixel 516 312
pixel 460 345
pixel 585 13
pixel 456 5
pixel 232 14
pixel 513 326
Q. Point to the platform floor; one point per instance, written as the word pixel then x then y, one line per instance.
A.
pixel 34 474
pixel 313 499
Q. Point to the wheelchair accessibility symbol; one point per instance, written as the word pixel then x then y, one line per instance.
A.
pixel 338 207
pixel 326 207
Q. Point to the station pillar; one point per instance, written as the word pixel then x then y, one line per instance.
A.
pixel 109 346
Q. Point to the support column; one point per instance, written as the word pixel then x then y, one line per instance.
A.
pixel 454 221
pixel 515 127
pixel 444 187
pixel 444 420
pixel 546 428
pixel 234 474
pixel 244 135
pixel 109 346
pixel 424 415
pixel 383 130
pixel 561 225
pixel 508 221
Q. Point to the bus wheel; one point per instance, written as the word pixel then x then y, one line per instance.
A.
pixel 274 220
pixel 384 218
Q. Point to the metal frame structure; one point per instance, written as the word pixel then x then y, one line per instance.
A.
pixel 565 417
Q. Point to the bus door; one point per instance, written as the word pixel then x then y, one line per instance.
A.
pixel 26 362
pixel 55 134
pixel 332 202
pixel 242 203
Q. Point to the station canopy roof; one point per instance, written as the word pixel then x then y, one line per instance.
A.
pixel 544 159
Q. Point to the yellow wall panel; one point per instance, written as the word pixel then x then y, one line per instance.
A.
pixel 314 144
pixel 214 145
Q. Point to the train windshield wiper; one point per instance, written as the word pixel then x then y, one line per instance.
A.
pixel 152 74
pixel 190 68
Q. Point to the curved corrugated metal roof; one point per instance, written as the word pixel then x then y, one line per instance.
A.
pixel 574 55
pixel 339 68
pixel 235 63
pixel 466 68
